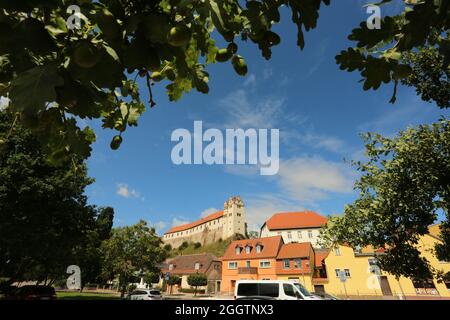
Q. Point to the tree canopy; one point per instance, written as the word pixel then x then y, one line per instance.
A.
pixel 53 74
pixel 132 252
pixel 45 221
pixel 403 188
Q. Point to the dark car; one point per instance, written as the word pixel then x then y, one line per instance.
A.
pixel 256 298
pixel 32 293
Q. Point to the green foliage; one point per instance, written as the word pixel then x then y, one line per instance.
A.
pixel 403 186
pixel 168 247
pixel 53 74
pixel 131 251
pixel 216 248
pixel 173 280
pixel 45 221
pixel 377 53
pixel 197 245
pixel 197 280
pixel 429 76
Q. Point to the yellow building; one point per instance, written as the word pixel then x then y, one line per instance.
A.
pixel 354 273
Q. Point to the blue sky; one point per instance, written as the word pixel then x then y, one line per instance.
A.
pixel 319 110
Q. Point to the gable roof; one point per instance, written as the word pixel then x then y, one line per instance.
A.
pixel 295 220
pixel 320 255
pixel 203 220
pixel 294 250
pixel 270 248
pixel 186 264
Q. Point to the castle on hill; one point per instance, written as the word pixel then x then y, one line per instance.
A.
pixel 219 225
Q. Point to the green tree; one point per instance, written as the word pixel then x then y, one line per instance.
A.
pixel 88 253
pixel 378 53
pixel 53 74
pixel 43 211
pixel 402 188
pixel 429 76
pixel 197 280
pixel 173 280
pixel 130 252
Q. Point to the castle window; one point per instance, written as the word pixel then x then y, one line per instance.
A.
pixel 310 234
pixel 238 214
pixel 289 235
pixel 299 234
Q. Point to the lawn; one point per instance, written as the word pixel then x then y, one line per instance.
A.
pixel 63 295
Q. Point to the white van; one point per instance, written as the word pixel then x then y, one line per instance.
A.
pixel 274 289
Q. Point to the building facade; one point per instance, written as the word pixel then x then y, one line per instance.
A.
pixel 295 227
pixel 219 225
pixel 184 266
pixel 250 259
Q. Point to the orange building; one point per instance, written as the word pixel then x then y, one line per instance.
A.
pixel 295 261
pixel 250 259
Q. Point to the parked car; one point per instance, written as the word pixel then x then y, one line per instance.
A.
pixel 276 289
pixel 30 292
pixel 326 296
pixel 255 298
pixel 145 294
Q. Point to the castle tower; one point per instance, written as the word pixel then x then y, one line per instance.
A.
pixel 234 217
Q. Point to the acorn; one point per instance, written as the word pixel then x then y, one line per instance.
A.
pixel 179 36
pixel 239 65
pixel 223 55
pixel 115 143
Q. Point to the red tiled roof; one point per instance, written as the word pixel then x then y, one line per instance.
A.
pixel 320 256
pixel 294 250
pixel 203 220
pixel 186 264
pixel 270 248
pixel 295 220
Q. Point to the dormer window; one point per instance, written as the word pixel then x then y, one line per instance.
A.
pixel 248 249
pixel 238 250
pixel 258 248
pixel 197 265
pixel 170 266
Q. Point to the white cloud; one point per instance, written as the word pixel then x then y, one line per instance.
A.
pixel 250 80
pixel 208 212
pixel 267 73
pixel 309 179
pixel 124 191
pixel 179 221
pixel 159 226
pixel 261 207
pixel 242 112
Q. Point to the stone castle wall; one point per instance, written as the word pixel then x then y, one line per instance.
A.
pixel 205 237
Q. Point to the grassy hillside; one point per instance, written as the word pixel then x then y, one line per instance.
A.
pixel 217 248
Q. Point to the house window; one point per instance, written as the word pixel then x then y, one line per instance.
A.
pixel 307 264
pixel 299 234
pixel 310 234
pixel 247 264
pixel 247 249
pixel 337 272
pixel 286 264
pixel 289 235
pixel 238 250
pixel 197 266
pixel 337 251
pixel 170 266
pixel 264 264
pixel 232 265
pixel 347 273
pixel 258 248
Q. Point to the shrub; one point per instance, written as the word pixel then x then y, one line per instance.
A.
pixel 197 245
pixel 197 280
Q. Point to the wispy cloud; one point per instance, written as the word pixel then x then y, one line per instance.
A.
pixel 179 221
pixel 250 81
pixel 124 191
pixel 208 211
